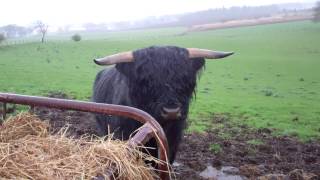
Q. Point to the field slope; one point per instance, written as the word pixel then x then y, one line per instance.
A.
pixel 272 81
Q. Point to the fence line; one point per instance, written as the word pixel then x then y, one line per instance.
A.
pixel 27 41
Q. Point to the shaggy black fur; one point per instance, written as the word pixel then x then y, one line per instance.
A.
pixel 159 76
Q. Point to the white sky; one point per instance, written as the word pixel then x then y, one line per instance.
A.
pixel 59 12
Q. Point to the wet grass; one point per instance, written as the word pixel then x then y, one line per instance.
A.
pixel 272 81
pixel 215 148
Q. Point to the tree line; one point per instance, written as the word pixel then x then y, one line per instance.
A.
pixel 209 16
pixel 187 19
pixel 15 31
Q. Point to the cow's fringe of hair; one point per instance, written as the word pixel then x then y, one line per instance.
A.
pixel 158 69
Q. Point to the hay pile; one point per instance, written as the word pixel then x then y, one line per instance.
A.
pixel 27 150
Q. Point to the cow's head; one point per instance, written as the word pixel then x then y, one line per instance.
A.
pixel 161 80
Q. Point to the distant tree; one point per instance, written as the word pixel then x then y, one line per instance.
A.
pixel 42 28
pixel 76 37
pixel 316 17
pixel 2 37
pixel 12 31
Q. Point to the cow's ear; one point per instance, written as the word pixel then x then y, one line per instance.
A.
pixel 197 63
pixel 125 69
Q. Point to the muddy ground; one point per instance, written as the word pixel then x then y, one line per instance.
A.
pixel 254 153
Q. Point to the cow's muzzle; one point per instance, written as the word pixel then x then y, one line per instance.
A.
pixel 171 113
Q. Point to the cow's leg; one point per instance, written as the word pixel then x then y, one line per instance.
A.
pixel 174 133
pixel 102 125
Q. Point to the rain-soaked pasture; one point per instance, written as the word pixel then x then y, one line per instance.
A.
pixel 272 81
pixel 255 113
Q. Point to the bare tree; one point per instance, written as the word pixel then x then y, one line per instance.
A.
pixel 316 17
pixel 42 28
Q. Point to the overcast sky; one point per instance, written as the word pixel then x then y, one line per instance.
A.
pixel 60 12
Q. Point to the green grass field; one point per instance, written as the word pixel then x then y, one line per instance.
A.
pixel 272 81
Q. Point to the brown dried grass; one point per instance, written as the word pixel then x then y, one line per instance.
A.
pixel 27 150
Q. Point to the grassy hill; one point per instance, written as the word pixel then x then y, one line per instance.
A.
pixel 272 81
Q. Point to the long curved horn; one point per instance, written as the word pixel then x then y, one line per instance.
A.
pixel 115 58
pixel 205 53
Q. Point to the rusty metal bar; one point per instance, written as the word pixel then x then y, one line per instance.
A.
pixel 4 110
pixel 108 109
pixel 144 134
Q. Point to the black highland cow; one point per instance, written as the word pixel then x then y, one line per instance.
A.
pixel 158 80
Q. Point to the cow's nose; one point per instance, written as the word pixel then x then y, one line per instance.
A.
pixel 171 113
